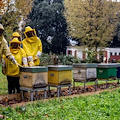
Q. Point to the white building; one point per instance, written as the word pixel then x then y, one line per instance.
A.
pixel 80 52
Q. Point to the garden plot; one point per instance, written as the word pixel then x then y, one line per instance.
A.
pixel 104 106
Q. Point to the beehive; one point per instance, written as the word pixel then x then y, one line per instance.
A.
pixel 84 72
pixel 59 74
pixel 33 77
pixel 106 71
pixel 118 70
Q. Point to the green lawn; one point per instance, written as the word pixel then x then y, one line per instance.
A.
pixel 105 106
pixel 3 83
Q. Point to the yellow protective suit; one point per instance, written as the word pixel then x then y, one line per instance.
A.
pixel 10 68
pixel 4 46
pixel 32 45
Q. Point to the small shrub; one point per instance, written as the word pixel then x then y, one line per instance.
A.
pixel 118 61
pixel 48 59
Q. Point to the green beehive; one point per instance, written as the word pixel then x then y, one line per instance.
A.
pixel 106 71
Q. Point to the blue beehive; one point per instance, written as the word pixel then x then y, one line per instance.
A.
pixel 118 70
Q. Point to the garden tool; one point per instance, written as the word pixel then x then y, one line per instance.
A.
pixel 19 64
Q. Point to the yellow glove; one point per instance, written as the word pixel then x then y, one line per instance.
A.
pixel 25 65
pixel 31 64
pixel 35 58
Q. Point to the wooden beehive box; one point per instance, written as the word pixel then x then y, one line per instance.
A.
pixel 34 77
pixel 105 71
pixel 59 74
pixel 84 72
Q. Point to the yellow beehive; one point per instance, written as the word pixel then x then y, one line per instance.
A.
pixel 34 77
pixel 59 74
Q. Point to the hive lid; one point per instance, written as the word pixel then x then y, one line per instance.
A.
pixel 109 65
pixel 60 67
pixel 85 65
pixel 35 69
pixel 118 64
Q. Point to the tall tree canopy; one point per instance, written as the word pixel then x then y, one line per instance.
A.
pixel 48 20
pixel 13 14
pixel 3 5
pixel 91 21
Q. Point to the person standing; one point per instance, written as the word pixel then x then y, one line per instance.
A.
pixel 12 71
pixel 17 35
pixel 4 47
pixel 32 46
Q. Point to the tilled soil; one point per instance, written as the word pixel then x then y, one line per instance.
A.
pixel 53 93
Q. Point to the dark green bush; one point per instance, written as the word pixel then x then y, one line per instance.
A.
pixel 48 59
pixel 94 60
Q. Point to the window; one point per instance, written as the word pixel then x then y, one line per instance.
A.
pixel 111 53
pixel 69 52
pixel 115 53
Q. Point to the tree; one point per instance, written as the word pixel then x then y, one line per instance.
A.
pixel 13 14
pixel 48 20
pixel 3 4
pixel 26 7
pixel 91 21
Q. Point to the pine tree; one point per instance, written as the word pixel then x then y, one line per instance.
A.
pixel 48 20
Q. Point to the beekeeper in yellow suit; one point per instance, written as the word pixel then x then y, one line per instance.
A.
pixel 12 71
pixel 17 35
pixel 4 46
pixel 32 46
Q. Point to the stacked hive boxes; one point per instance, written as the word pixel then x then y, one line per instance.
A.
pixel 106 71
pixel 39 76
pixel 84 72
pixel 34 77
pixel 59 74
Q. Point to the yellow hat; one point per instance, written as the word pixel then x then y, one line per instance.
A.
pixel 15 34
pixel 15 40
pixel 1 27
pixel 28 29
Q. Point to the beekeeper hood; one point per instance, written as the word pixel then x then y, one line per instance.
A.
pixel 1 32
pixel 30 34
pixel 14 45
pixel 16 35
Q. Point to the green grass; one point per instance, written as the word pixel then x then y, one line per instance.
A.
pixel 105 106
pixel 3 83
pixel 93 83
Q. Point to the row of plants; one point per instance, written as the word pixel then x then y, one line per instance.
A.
pixel 51 59
pixel 105 106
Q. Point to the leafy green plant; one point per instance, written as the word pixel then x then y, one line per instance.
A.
pixel 91 57
pixel 105 106
pixel 118 61
pixel 48 59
